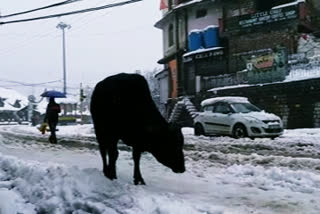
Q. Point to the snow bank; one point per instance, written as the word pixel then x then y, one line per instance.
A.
pixel 276 178
pixel 55 188
pixel 85 130
pixel 224 175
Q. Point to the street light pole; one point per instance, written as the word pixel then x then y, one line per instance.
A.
pixel 63 26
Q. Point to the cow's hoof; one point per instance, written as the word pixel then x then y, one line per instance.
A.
pixel 110 175
pixel 139 182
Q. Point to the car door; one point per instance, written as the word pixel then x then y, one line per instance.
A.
pixel 223 120
pixel 210 122
pixel 207 118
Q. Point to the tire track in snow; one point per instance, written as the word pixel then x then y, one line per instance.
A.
pixel 215 151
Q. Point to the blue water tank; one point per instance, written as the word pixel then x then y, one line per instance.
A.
pixel 211 37
pixel 195 40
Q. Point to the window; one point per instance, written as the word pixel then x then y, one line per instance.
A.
pixel 208 108
pixel 201 13
pixel 170 36
pixel 244 107
pixel 223 108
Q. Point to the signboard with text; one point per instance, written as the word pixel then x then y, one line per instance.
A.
pixel 270 67
pixel 262 18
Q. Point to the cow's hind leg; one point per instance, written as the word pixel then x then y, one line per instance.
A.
pixel 108 146
pixel 137 177
pixel 113 156
pixel 103 153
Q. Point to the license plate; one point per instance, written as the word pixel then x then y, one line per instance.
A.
pixel 274 126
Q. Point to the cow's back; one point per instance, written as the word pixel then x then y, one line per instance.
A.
pixel 124 101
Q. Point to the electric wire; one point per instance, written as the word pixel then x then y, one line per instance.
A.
pixel 40 8
pixel 27 42
pixel 29 84
pixel 82 17
pixel 39 84
pixel 87 21
pixel 71 13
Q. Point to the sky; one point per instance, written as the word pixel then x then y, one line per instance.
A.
pixel 223 175
pixel 98 44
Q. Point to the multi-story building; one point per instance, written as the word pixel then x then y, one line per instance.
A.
pixel 209 44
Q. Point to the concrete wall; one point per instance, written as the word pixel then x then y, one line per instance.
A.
pixel 316 4
pixel 164 89
pixel 167 50
pixel 212 18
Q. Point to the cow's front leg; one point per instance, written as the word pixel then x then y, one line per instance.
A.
pixel 137 178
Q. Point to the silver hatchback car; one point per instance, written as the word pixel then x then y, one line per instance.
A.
pixel 237 117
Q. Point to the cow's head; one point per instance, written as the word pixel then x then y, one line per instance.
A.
pixel 168 148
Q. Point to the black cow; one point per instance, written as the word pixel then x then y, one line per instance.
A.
pixel 122 108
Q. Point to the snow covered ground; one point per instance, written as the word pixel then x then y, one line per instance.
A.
pixel 224 175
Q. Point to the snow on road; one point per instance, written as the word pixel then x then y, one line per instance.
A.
pixel 224 175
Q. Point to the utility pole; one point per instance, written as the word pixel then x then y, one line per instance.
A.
pixel 81 103
pixel 82 97
pixel 63 26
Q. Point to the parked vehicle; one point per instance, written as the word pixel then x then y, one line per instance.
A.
pixel 237 117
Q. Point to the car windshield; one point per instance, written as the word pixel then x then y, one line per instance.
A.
pixel 244 107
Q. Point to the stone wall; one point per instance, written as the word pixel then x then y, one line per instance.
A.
pixel 316 115
pixel 263 40
pixel 242 46
pixel 297 103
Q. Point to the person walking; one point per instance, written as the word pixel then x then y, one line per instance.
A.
pixel 52 116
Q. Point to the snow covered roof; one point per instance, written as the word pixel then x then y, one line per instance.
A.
pixel 202 50
pixel 229 87
pixel 178 7
pixel 187 4
pixel 288 4
pixel 69 100
pixel 7 107
pixel 211 101
pixel 303 74
pixel 9 97
pixel 42 106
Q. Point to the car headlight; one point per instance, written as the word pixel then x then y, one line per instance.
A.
pixel 252 120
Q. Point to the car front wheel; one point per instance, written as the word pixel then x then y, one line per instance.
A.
pixel 239 131
pixel 198 130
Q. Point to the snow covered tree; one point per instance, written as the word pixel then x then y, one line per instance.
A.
pixel 153 84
